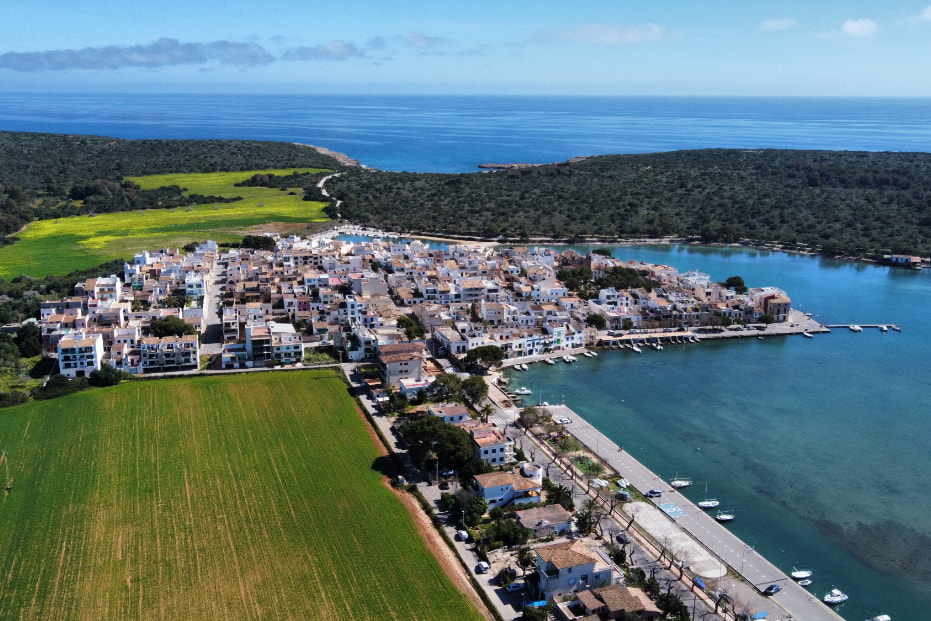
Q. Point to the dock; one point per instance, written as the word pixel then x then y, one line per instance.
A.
pixel 678 527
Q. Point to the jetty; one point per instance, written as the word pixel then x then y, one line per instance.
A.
pixel 678 528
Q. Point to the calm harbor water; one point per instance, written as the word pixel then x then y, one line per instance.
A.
pixel 820 445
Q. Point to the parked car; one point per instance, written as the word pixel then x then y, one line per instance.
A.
pixel 772 589
pixel 564 421
pixel 462 535
pixel 623 537
pixel 444 485
pixel 653 493
pixel 515 586
pixel 482 567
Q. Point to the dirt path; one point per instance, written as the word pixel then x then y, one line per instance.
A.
pixel 435 544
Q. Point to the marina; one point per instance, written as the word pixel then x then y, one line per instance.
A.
pixel 698 532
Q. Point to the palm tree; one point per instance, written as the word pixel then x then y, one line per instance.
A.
pixel 485 412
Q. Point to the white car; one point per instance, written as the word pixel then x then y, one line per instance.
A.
pixel 564 421
pixel 482 568
pixel 462 535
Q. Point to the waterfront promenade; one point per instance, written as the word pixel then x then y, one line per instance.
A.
pixel 693 536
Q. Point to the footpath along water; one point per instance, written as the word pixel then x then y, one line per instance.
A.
pixel 677 515
pixel 819 445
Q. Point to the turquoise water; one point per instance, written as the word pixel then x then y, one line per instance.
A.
pixel 820 445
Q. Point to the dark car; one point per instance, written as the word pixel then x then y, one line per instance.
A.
pixel 444 485
pixel 772 589
pixel 653 493
pixel 623 537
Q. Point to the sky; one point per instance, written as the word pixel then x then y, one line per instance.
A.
pixel 617 47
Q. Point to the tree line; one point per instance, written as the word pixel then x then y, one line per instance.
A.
pixel 833 202
pixel 45 176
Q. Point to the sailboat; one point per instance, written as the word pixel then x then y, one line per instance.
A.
pixel 708 503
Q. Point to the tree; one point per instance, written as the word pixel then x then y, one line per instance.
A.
pixel 485 355
pixel 605 252
pixel 29 340
pixel 529 416
pixel 597 321
pixel 588 517
pixel 259 242
pixel 485 413
pixel 106 376
pixel 170 326
pixel 445 387
pixel 475 389
pixel 736 283
pixel 767 319
pixel 561 495
pixel 412 329
pixel 526 559
pixel 430 437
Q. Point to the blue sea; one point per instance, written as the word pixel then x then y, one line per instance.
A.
pixel 820 445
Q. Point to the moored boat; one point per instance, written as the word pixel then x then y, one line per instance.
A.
pixel 800 574
pixel 523 390
pixel 806 582
pixel 550 361
pixel 856 328
pixel 680 482
pixel 834 597
pixel 725 516
pixel 808 335
pixel 709 503
pixel 881 618
pixel 588 354
pixel 635 348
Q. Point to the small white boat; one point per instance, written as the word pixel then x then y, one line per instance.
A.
pixel 588 354
pixel 523 390
pixel 808 335
pixel 881 618
pixel 725 516
pixel 522 367
pixel 800 574
pixel 635 348
pixel 806 582
pixel 592 354
pixel 856 328
pixel 883 328
pixel 697 340
pixel 567 359
pixel 679 483
pixel 834 597
pixel 550 361
pixel 709 503
pixel 571 358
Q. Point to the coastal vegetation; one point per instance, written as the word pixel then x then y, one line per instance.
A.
pixel 242 496
pixel 833 202
pixel 61 245
pixel 56 176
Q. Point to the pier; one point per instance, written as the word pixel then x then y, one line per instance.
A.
pixel 679 531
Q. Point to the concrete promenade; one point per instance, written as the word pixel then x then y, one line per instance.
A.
pixel 707 547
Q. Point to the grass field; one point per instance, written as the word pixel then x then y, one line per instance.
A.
pixel 61 246
pixel 238 497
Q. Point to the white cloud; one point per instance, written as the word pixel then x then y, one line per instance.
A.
pixel 335 50
pixel 605 34
pixel 926 14
pixel 420 40
pixel 859 27
pixel 778 24
pixel 164 52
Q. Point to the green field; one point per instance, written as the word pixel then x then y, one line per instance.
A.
pixel 61 246
pixel 245 496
